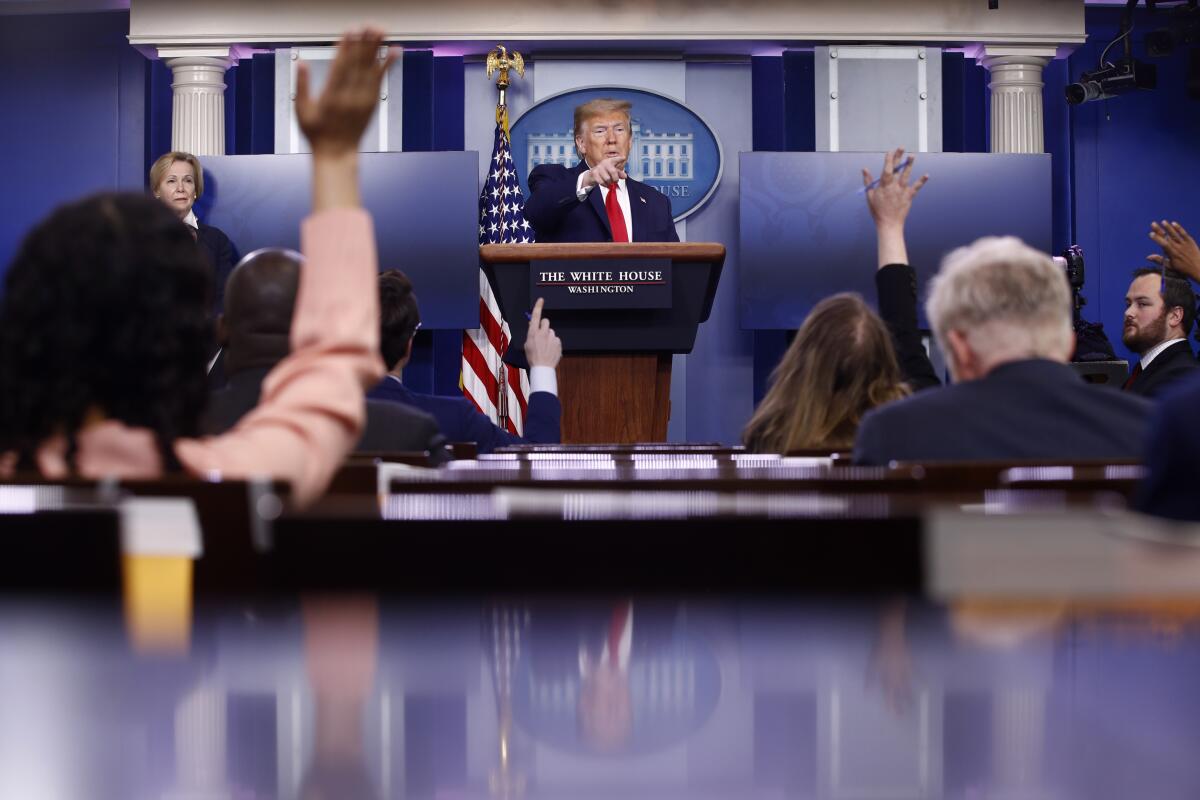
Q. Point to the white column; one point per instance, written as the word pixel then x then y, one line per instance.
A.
pixel 198 102
pixel 1016 89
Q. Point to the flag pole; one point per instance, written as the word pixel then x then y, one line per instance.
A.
pixel 501 60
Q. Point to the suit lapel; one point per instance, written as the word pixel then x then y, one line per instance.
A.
pixel 638 208
pixel 1160 362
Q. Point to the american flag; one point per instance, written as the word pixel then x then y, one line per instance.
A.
pixel 496 389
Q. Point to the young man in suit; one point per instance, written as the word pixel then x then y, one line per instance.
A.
pixel 1001 312
pixel 595 201
pixel 1159 310
pixel 457 417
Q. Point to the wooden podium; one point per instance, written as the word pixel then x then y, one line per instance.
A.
pixel 614 380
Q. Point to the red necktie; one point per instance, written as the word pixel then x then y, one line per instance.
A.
pixel 1137 370
pixel 616 220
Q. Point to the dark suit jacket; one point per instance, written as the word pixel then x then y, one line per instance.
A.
pixel 221 256
pixel 1176 362
pixel 1172 485
pixel 391 427
pixel 1033 409
pixel 460 421
pixel 896 288
pixel 557 215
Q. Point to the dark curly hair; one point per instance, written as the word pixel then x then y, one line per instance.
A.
pixel 105 310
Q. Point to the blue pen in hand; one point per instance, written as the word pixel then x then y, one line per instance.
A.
pixel 895 171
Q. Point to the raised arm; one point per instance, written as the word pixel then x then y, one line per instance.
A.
pixel 895 281
pixel 1178 246
pixel 311 409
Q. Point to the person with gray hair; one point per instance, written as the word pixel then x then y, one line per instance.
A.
pixel 1001 313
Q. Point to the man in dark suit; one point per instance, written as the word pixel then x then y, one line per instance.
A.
pixel 1001 313
pixel 1159 310
pixel 254 332
pixel 458 418
pixel 595 201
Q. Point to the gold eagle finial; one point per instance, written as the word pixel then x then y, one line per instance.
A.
pixel 501 59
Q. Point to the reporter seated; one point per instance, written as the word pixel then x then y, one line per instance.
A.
pixel 458 418
pixel 259 300
pixel 840 365
pixel 1001 312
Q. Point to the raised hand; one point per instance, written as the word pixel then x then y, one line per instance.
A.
pixel 891 200
pixel 889 203
pixel 1178 246
pixel 607 172
pixel 542 346
pixel 334 122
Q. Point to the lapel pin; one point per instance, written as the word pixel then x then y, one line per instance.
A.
pixel 642 199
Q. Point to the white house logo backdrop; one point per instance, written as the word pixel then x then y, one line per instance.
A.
pixel 674 150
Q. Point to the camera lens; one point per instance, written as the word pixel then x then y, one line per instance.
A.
pixel 1083 92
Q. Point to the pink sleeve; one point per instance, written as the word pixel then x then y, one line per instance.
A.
pixel 311 410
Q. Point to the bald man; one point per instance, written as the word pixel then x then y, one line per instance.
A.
pixel 260 296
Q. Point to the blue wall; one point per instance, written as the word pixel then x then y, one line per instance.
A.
pixel 1134 158
pixel 77 90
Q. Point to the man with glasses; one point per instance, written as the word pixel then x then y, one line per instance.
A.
pixel 595 201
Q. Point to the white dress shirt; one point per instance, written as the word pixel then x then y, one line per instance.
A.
pixel 190 219
pixel 1153 352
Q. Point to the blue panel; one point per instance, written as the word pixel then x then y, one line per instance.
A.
pixel 766 88
pixel 448 99
pixel 799 101
pixel 799 247
pixel 252 84
pixel 418 373
pixel 1135 159
pixel 131 119
pixel 1057 131
pixel 429 232
pixel 964 96
pixel 231 111
pixel 447 362
pixel 418 100
pixel 241 88
pixel 158 111
pixel 62 77
pixel 262 107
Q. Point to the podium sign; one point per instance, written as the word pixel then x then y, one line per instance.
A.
pixel 601 283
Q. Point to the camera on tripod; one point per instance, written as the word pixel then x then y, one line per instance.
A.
pixel 1071 262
